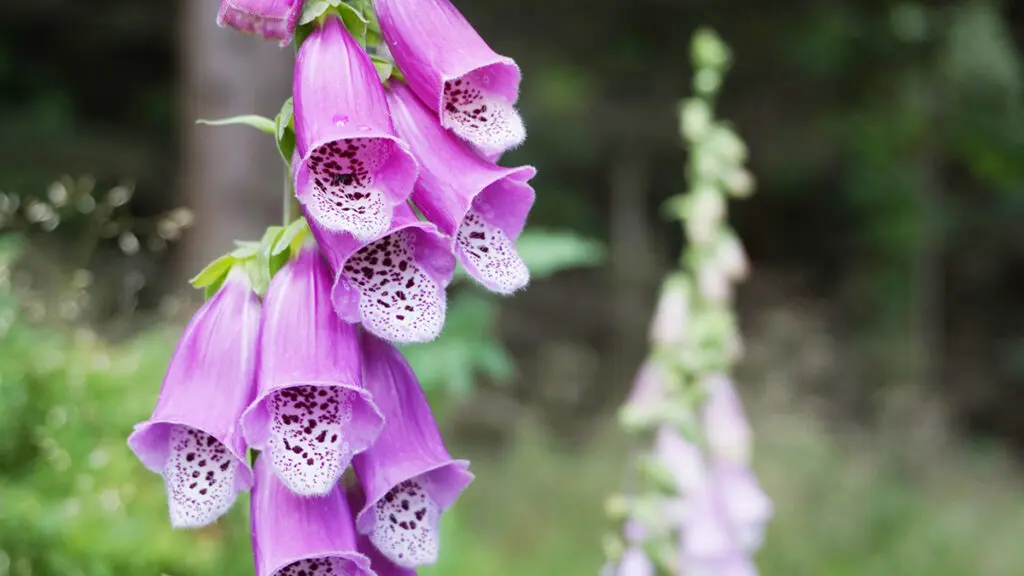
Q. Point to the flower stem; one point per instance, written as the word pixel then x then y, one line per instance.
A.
pixel 291 210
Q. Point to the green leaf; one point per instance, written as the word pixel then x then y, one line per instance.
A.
pixel 291 237
pixel 354 21
pixel 245 252
pixel 465 350
pixel 384 69
pixel 548 252
pixel 285 132
pixel 261 123
pixel 215 271
pixel 314 9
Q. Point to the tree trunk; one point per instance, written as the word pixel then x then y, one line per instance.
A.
pixel 231 176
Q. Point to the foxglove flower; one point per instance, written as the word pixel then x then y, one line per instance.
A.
pixel 297 536
pixel 469 88
pixel 482 207
pixel 393 285
pixel 408 477
pixel 352 169
pixel 274 19
pixel 724 421
pixel 193 439
pixel 311 413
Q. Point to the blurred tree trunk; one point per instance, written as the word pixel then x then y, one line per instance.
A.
pixel 231 176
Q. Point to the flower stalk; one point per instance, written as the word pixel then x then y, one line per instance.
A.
pixel 695 507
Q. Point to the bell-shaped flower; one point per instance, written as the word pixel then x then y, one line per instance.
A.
pixel 294 535
pixel 408 477
pixel 394 285
pixel 273 19
pixel 193 438
pixel 311 413
pixel 352 170
pixel 470 89
pixel 482 207
pixel 724 421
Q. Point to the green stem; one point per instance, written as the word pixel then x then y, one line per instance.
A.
pixel 291 209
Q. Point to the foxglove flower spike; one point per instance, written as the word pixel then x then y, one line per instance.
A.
pixel 297 536
pixel 482 207
pixel 352 170
pixel 469 88
pixel 408 477
pixel 193 439
pixel 311 413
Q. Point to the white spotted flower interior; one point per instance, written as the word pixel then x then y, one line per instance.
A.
pixel 200 477
pixel 394 285
pixel 468 88
pixel 192 438
pixel 311 413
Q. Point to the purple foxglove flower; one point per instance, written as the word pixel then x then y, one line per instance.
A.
pixel 748 507
pixel 352 169
pixel 311 413
pixel 682 458
pixel 192 438
pixel 470 89
pixel 635 562
pixel 482 207
pixel 274 19
pixel 408 477
pixel 735 565
pixel 395 284
pixel 725 423
pixel 297 536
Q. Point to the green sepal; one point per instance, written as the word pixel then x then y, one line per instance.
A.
pixel 261 123
pixel 284 131
pixel 245 250
pixel 263 267
pixel 214 272
pixel 384 68
pixel 291 238
pixel 351 17
pixel 314 9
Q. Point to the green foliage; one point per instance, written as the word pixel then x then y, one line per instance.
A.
pixel 468 348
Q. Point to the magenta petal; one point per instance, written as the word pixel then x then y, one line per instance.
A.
pixel 395 284
pixel 311 413
pixel 471 89
pixel 407 475
pixel 193 429
pixel 274 19
pixel 353 170
pixel 482 207
pixel 294 535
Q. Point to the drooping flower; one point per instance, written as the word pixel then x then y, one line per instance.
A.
pixel 724 421
pixel 408 477
pixel 482 207
pixel 352 169
pixel 395 284
pixel 192 438
pixel 311 413
pixel 669 324
pixel 297 536
pixel 273 19
pixel 471 89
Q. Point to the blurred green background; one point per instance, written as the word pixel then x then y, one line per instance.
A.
pixel 884 327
